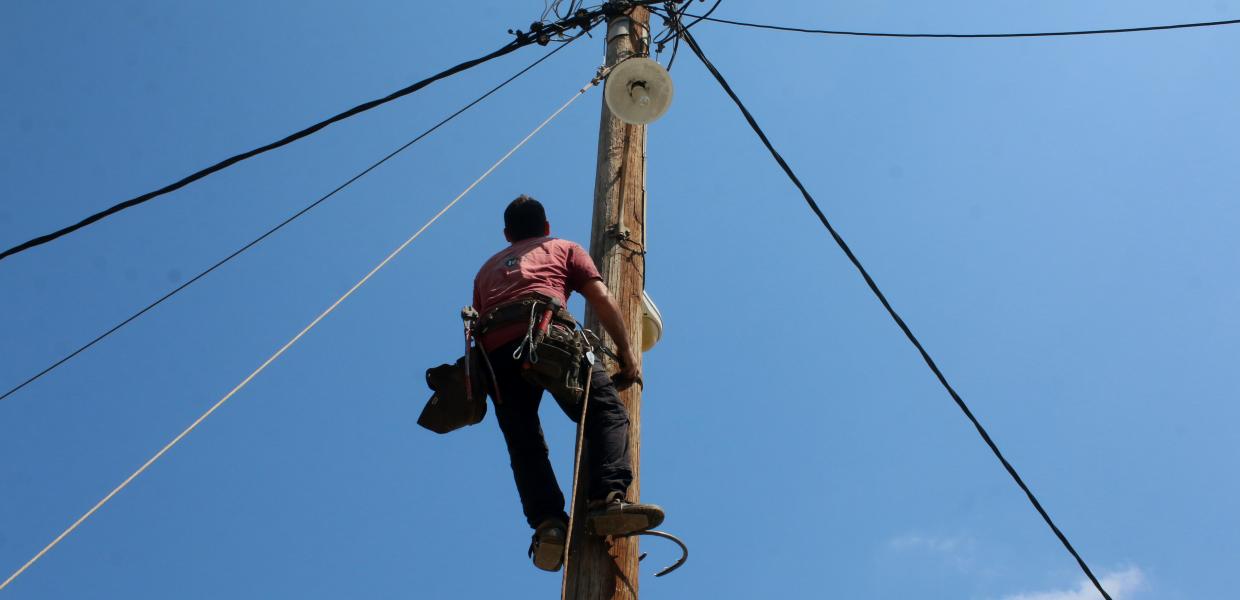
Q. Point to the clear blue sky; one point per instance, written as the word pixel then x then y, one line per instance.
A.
pixel 1055 218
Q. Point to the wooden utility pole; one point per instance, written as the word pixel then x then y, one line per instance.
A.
pixel 598 569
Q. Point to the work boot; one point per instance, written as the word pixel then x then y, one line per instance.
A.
pixel 617 516
pixel 547 549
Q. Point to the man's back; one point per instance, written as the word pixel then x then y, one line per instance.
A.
pixel 543 265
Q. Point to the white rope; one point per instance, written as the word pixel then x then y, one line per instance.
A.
pixel 295 339
pixel 572 515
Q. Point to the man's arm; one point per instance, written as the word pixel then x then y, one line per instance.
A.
pixel 608 311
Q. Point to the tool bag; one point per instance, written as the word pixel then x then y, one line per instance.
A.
pixel 552 350
pixel 555 363
pixel 460 397
pixel 455 404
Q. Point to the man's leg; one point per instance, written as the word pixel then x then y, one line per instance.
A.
pixel 607 437
pixel 517 414
pixel 611 470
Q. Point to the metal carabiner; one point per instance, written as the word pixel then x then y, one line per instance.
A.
pixel 586 348
pixel 528 339
pixel 598 344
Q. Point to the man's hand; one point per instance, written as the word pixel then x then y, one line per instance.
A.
pixel 629 373
pixel 609 315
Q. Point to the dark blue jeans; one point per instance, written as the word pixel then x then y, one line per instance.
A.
pixel 606 438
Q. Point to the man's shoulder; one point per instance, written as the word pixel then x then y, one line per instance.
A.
pixel 551 246
pixel 563 243
pixel 501 252
pixel 524 246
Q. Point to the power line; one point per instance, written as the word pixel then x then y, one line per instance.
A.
pixel 674 20
pixel 809 199
pixel 290 219
pixel 219 166
pixel 707 17
pixel 296 338
pixel 545 31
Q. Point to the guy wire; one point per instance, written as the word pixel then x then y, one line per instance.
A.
pixel 290 219
pixel 882 298
pixel 296 338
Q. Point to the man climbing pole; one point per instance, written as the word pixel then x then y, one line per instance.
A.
pixel 521 293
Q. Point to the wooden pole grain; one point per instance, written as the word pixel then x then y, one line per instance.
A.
pixel 598 568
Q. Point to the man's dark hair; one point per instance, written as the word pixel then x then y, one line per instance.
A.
pixel 524 218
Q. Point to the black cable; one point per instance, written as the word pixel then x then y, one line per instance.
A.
pixel 583 19
pixel 675 50
pixel 669 11
pixel 707 17
pixel 674 20
pixel 678 25
pixel 511 46
pixel 697 20
pixel 693 45
pixel 673 27
pixel 292 218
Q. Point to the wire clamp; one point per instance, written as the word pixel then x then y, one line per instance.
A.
pixel 600 75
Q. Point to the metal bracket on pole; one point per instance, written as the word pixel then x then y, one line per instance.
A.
pixel 618 27
pixel 621 26
pixel 619 232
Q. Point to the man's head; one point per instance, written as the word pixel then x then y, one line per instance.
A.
pixel 525 218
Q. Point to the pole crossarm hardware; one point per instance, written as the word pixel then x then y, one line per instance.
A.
pixel 296 338
pixel 540 33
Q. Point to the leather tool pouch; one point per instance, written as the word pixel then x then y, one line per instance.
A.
pixel 555 364
pixel 550 360
pixel 451 407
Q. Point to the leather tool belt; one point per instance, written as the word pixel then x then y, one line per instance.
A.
pixel 519 310
pixel 552 350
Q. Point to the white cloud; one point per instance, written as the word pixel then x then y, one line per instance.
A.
pixel 946 545
pixel 956 551
pixel 1120 585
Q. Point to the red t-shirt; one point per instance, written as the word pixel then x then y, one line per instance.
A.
pixel 541 265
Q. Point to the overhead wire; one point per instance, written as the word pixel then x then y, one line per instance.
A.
pixel 698 19
pixel 221 165
pixel 552 7
pixel 297 337
pixel 671 17
pixel 707 17
pixel 839 240
pixel 287 221
pixel 521 41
